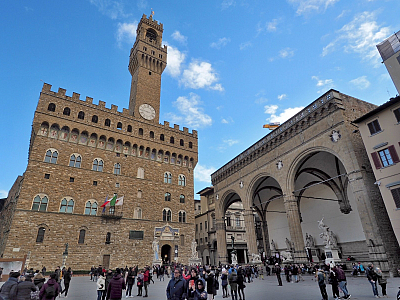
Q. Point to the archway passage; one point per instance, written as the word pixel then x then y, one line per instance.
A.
pixel 322 190
pixel 166 254
pixel 270 222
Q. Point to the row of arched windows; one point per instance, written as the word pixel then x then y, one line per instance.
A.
pixel 167 197
pixel 83 138
pixel 107 123
pixel 40 203
pixel 81 236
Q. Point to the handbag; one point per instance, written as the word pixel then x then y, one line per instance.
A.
pixel 35 295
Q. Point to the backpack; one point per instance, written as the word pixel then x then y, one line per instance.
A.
pixel 50 292
pixel 234 277
pixel 216 284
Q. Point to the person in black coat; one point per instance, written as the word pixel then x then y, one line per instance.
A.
pixel 24 289
pixel 210 280
pixel 67 279
pixel 240 282
pixel 176 289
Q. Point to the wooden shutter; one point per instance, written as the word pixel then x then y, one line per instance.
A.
pixel 396 196
pixel 393 154
pixel 377 161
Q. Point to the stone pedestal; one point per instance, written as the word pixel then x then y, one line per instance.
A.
pixel 312 254
pixel 195 262
pixel 332 256
pixel 157 262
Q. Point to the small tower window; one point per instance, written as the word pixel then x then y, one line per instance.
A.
pixel 161 137
pixel 119 125
pixel 171 140
pixel 81 115
pixel 67 111
pixel 181 142
pixel 190 145
pixel 140 131
pixel 107 123
pixel 129 128
pixel 152 134
pixel 95 119
pixel 51 107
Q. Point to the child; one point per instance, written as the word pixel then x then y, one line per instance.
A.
pixel 140 283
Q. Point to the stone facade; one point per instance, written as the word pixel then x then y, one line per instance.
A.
pixel 311 167
pixel 85 153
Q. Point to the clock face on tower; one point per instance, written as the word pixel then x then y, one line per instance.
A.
pixel 147 111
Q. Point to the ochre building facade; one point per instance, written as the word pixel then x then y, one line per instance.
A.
pixel 81 154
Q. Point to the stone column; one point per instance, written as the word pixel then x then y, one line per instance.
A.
pixel 266 245
pixel 250 231
pixel 222 253
pixel 296 233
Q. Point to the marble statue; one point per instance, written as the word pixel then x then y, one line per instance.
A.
pixel 194 250
pixel 273 247
pixel 309 241
pixel 327 235
pixel 156 249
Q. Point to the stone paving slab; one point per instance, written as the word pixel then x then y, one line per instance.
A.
pixel 83 288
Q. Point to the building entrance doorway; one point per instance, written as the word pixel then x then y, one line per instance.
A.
pixel 166 254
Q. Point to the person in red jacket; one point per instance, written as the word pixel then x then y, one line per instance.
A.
pixel 115 287
pixel 146 280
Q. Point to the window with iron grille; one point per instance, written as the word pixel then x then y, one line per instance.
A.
pixel 136 235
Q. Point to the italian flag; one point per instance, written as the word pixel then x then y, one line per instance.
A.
pixel 114 201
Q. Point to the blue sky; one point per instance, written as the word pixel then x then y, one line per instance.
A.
pixel 233 65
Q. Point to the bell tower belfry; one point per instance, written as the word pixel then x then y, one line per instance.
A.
pixel 147 61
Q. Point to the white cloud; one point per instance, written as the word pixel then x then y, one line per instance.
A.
pixel 142 4
pixel 126 32
pixel 360 36
pixel 111 8
pixel 203 173
pixel 285 115
pixel 361 82
pixel 222 42
pixel 3 194
pixel 230 142
pixel 191 112
pixel 282 96
pixel 261 100
pixel 227 3
pixel 305 7
pixel 324 84
pixel 199 75
pixel 270 109
pixel 177 36
pixel 286 53
pixel 343 13
pixel 271 26
pixel 227 120
pixel 175 58
pixel 245 45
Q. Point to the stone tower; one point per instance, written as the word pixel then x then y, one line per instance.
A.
pixel 147 61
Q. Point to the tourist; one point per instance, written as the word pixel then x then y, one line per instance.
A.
pixel 286 269
pixel 101 286
pixel 224 283
pixel 67 275
pixel 39 280
pixel 130 281
pixel 341 277
pixel 44 271
pixel 24 289
pixel 176 288
pixel 50 289
pixel 295 273
pixel 232 279
pixel 146 281
pixel 240 282
pixel 277 271
pixel 372 278
pixel 361 269
pixel 8 289
pixel 333 280
pixel 261 272
pixel 211 288
pixel 115 287
pixel 322 284
pixel 140 283
pixel 382 281
pixel 197 291
pixel 108 278
pixel 190 282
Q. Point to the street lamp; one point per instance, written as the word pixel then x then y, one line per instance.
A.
pixel 65 255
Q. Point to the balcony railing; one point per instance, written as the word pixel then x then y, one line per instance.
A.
pixel 112 215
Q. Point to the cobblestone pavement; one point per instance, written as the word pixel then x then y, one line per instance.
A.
pixel 83 289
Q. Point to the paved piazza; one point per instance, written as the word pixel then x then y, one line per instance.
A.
pixel 82 288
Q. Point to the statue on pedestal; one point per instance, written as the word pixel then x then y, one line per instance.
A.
pixel 273 247
pixel 309 241
pixel 194 250
pixel 289 245
pixel 327 235
pixel 156 249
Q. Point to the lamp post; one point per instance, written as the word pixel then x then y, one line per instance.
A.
pixel 65 255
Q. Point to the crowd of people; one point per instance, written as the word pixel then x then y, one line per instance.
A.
pixel 191 283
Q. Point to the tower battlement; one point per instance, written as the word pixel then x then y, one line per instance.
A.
pixel 88 102
pixel 149 21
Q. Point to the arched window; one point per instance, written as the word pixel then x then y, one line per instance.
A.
pixel 140 131
pixel 129 128
pixel 40 235
pixel 108 238
pixel 181 142
pixel 82 234
pixel 91 208
pixel 171 140
pixel 140 173
pixel 98 165
pixel 182 180
pixel 190 145
pixel 167 215
pixel 117 169
pixel 119 125
pixel 51 107
pixel 167 196
pixel 95 119
pixel 51 156
pixel 75 161
pixel 107 123
pixel 137 214
pixel 152 134
pixel 182 199
pixel 67 205
pixel 81 115
pixel 40 203
pixel 167 177
pixel 66 111
pixel 161 137
pixel 182 217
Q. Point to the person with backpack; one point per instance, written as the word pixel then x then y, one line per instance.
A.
pixel 322 284
pixel 240 281
pixel 24 289
pixel 233 279
pixel 50 289
pixel 8 289
pixel 224 283
pixel 116 285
